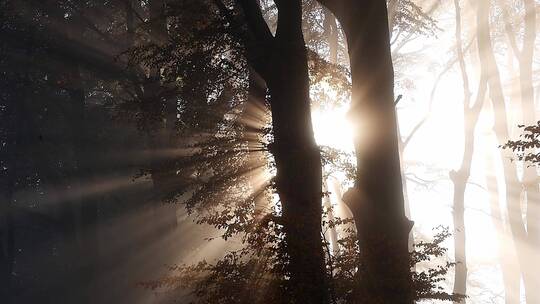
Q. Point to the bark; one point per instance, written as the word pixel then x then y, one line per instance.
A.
pixel 282 62
pixel 377 199
pixel 298 160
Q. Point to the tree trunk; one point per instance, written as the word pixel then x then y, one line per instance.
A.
pixel 530 177
pixel 513 186
pixel 461 177
pixel 509 266
pixel 377 198
pixel 332 35
pixel 402 144
pixel 297 157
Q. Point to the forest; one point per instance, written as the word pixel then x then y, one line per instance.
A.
pixel 269 151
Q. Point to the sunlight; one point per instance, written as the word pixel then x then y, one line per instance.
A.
pixel 143 138
pixel 332 128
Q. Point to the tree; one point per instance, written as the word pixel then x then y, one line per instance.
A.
pixel 489 65
pixel 281 62
pixel 460 177
pixel 529 180
pixel 377 198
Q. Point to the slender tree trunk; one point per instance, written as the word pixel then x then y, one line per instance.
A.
pixel 332 35
pixel 461 177
pixel 406 203
pixel 377 198
pixel 298 160
pixel 530 177
pixel 331 32
pixel 331 234
pixel 509 266
pixel 513 185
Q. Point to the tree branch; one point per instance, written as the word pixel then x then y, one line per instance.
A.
pixel 255 20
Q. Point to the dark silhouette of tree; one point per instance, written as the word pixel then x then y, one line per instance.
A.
pixel 377 198
pixel 297 158
pixel 201 98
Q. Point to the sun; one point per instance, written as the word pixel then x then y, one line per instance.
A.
pixel 332 128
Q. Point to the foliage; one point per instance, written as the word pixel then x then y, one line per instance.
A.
pixel 200 69
pixel 335 160
pixel 526 148
pixel 427 280
pixel 408 17
pixel 203 64
pixel 256 273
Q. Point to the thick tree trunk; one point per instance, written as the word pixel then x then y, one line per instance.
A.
pixel 298 160
pixel 377 199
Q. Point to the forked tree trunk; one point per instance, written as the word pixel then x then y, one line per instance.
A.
pixel 281 61
pixel 460 178
pixel 377 198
